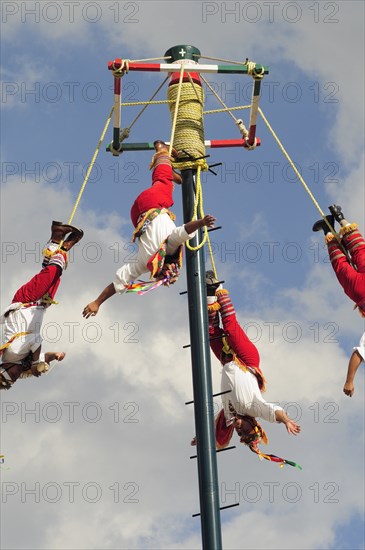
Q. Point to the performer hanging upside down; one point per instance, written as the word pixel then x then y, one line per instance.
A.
pixel 241 378
pixel 350 277
pixel 21 355
pixel 159 240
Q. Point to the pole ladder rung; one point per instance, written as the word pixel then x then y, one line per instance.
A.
pixel 222 508
pixel 218 283
pixel 214 395
pixel 219 450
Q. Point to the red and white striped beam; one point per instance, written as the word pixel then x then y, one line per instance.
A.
pixel 212 144
pixel 119 63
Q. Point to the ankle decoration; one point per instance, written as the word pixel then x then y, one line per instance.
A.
pixel 161 157
pixel 348 228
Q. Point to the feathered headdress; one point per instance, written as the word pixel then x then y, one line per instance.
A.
pixel 251 434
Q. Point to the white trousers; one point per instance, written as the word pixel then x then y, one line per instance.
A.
pixel 161 228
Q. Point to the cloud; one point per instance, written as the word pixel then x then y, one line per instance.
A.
pixel 99 449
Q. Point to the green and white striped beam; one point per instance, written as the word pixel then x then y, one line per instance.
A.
pixel 194 68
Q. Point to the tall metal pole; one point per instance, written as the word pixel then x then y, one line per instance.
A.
pixel 202 380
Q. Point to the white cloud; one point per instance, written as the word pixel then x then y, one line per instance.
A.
pixel 149 380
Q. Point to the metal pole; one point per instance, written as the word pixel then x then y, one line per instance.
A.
pixel 202 381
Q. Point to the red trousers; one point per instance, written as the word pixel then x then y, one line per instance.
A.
pixel 352 280
pixel 238 341
pixel 46 281
pixel 159 195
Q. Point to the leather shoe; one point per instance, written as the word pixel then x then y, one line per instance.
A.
pixel 321 224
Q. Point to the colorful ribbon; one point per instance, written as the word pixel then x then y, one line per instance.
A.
pixel 142 287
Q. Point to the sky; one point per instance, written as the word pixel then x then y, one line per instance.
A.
pixel 97 453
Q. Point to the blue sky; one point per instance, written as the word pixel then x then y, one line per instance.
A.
pixel 106 450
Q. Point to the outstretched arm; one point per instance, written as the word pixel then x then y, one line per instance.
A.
pixel 354 363
pixel 92 308
pixel 291 426
pixel 192 226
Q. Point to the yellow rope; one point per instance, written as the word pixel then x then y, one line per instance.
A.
pixel 90 167
pixel 198 97
pixel 281 146
pixel 211 256
pixel 219 59
pixel 213 111
pixel 176 110
pixel 187 113
pixel 187 121
pixel 146 104
pixel 217 96
pixel 198 208
pixel 239 122
pixel 136 103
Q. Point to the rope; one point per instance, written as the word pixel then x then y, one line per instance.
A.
pixel 239 122
pixel 121 71
pixel 219 59
pixel 187 121
pixel 251 70
pixel 136 103
pixel 126 131
pixel 176 110
pixel 251 65
pixel 149 59
pixel 300 178
pixel 189 130
pixel 90 167
pixel 195 89
pixel 213 111
pixel 198 207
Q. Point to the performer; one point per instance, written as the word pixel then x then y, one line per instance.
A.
pixel 159 240
pixel 242 378
pixel 350 273
pixel 21 355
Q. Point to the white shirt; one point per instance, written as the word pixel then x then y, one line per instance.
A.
pixel 361 347
pixel 245 394
pixel 160 229
pixel 24 319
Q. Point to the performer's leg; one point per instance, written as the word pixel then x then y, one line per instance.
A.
pixel 161 165
pixel 352 239
pixel 355 244
pixel 40 284
pixel 237 339
pixel 66 234
pixel 130 272
pixel 352 282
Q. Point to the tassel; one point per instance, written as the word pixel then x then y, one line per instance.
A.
pixel 348 228
pixel 274 458
pixel 143 287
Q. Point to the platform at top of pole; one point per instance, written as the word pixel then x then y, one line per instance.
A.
pixel 190 56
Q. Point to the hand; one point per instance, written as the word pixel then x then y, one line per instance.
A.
pixel 209 220
pixel 292 427
pixel 54 356
pixel 349 389
pixel 193 442
pixel 90 310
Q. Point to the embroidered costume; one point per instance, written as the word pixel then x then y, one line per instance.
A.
pixel 159 240
pixel 242 378
pixel 23 318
